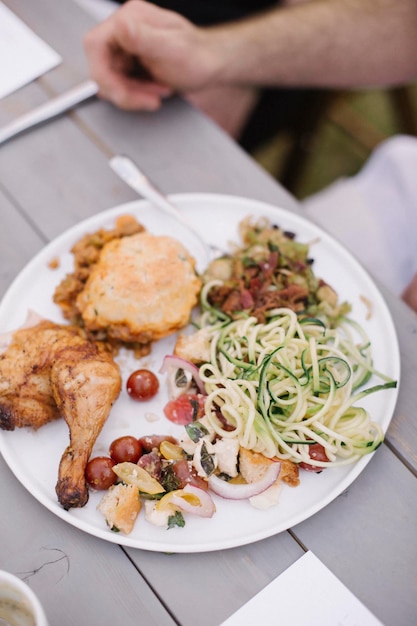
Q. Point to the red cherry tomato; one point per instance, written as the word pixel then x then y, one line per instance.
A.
pixel 99 473
pixel 126 448
pixel 142 385
pixel 318 453
pixel 186 408
pixel 149 442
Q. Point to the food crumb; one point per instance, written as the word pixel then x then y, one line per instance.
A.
pixel 54 263
pixel 369 307
pixel 151 417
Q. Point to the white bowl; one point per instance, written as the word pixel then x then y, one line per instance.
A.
pixel 19 606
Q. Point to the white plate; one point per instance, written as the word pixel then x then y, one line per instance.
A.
pixel 34 456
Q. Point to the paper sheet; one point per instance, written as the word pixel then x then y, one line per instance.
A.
pixel 306 594
pixel 24 56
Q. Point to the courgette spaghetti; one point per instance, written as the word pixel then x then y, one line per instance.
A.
pixel 288 383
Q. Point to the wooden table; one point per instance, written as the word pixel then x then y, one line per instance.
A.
pixel 57 175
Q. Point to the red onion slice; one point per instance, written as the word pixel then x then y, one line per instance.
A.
pixel 175 362
pixel 232 491
pixel 193 500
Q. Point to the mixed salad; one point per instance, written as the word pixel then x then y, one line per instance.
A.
pixel 266 386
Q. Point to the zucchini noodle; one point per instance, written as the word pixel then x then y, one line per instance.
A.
pixel 283 385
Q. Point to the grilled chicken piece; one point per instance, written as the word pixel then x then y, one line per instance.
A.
pixel 26 397
pixel 47 371
pixel 85 386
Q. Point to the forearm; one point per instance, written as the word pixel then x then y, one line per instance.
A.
pixel 305 43
pixel 327 43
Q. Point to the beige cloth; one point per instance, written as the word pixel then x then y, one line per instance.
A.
pixel 374 214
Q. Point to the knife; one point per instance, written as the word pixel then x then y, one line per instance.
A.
pixel 50 109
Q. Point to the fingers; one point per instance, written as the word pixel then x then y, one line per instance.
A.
pixel 115 68
pixel 170 52
pixel 132 95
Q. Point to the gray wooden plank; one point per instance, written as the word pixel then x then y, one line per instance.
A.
pixel 179 149
pixel 205 589
pixel 79 579
pixel 59 175
pixel 166 150
pixel 367 538
pixel 402 433
pixel 19 242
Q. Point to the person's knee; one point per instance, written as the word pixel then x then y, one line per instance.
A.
pixel 410 294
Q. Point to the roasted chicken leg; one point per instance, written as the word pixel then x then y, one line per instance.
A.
pixel 85 386
pixel 49 370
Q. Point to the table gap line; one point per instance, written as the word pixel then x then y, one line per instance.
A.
pixel 23 214
pixel 151 587
pixel 400 457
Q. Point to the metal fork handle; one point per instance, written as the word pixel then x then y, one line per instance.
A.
pixel 132 175
pixel 128 171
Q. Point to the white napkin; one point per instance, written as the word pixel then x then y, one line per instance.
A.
pixel 24 56
pixel 374 213
pixel 306 594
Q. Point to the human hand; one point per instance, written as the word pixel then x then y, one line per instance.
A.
pixel 143 53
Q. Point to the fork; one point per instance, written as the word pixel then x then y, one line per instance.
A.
pixel 128 171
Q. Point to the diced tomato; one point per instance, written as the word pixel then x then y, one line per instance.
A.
pixel 317 453
pixel 255 286
pixel 151 462
pixel 246 299
pixel 186 408
pixel 187 475
pixel 268 267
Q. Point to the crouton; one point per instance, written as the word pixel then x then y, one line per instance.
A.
pixel 253 466
pixel 289 473
pixel 120 506
pixel 195 347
